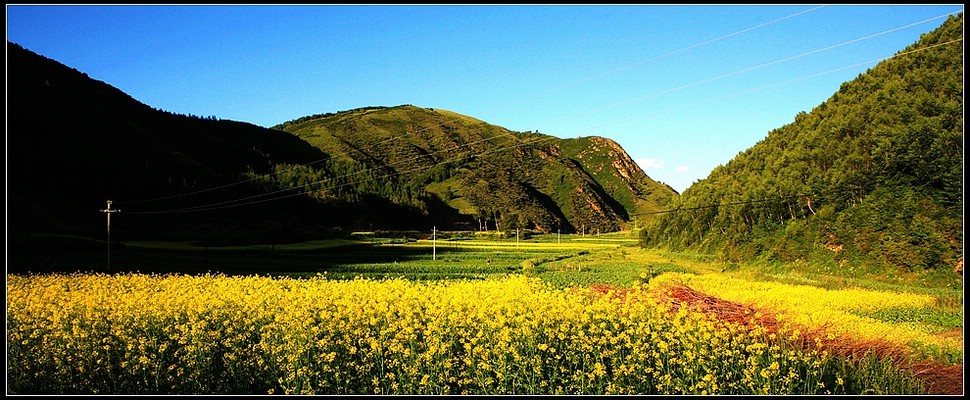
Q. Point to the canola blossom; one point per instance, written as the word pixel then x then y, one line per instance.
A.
pixel 214 334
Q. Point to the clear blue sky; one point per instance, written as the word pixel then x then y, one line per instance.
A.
pixel 682 88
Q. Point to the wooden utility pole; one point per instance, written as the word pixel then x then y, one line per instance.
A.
pixel 434 246
pixel 109 211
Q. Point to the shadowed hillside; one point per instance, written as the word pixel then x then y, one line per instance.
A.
pixel 73 143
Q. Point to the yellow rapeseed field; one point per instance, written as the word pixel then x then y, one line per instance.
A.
pixel 214 334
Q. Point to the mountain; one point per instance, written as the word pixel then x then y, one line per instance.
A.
pixel 467 173
pixel 873 176
pixel 74 142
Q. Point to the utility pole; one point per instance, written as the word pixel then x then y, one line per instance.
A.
pixel 109 211
pixel 434 245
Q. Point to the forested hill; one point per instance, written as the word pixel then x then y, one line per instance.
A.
pixel 473 175
pixel 874 175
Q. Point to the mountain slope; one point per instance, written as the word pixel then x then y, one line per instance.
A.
pixel 872 176
pixel 485 176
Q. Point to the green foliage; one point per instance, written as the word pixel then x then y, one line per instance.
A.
pixel 871 375
pixel 928 315
pixel 644 237
pixel 870 178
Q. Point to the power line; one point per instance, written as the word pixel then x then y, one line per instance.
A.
pixel 679 209
pixel 630 66
pixel 424 129
pixel 722 97
pixel 421 130
pixel 737 203
pixel 815 194
pixel 745 70
pixel 443 124
pixel 811 76
pixel 212 188
pixel 229 203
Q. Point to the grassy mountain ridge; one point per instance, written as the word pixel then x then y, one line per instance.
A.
pixel 488 175
pixel 873 176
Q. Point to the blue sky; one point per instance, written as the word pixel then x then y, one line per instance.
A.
pixel 682 89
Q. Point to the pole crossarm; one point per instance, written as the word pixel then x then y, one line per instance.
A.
pixel 108 211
